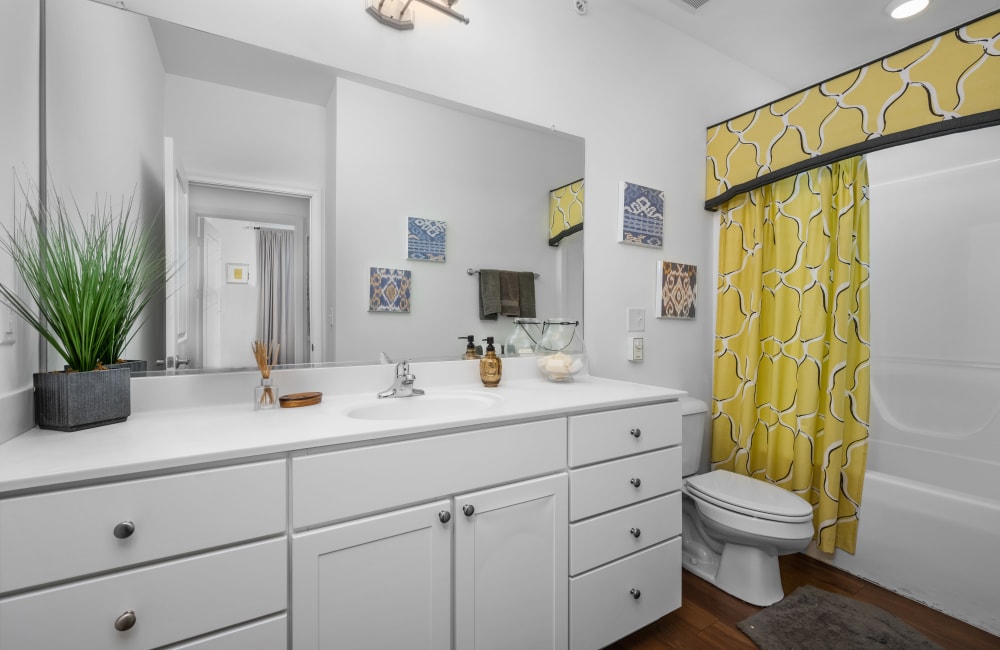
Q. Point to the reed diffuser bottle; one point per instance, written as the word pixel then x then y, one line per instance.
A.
pixel 265 395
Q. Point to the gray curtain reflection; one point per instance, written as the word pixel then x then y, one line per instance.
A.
pixel 275 308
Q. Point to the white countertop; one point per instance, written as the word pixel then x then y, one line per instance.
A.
pixel 173 437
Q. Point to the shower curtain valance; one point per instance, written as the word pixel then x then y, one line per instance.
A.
pixel 945 84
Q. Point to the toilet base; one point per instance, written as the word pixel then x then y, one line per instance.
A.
pixel 746 572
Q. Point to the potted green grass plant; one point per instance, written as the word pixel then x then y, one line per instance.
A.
pixel 89 279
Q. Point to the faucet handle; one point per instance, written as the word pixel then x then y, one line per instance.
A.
pixel 403 368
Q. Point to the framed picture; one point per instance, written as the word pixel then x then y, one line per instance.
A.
pixel 426 239
pixel 389 290
pixel 640 215
pixel 237 273
pixel 678 290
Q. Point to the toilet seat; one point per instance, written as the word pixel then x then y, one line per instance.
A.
pixel 748 496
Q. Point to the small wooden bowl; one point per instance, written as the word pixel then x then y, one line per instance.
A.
pixel 294 400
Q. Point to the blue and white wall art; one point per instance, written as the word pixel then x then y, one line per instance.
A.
pixel 641 215
pixel 425 239
pixel 389 290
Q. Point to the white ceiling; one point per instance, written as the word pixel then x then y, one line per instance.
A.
pixel 799 43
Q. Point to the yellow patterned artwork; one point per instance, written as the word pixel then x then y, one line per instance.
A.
pixel 944 84
pixel 565 211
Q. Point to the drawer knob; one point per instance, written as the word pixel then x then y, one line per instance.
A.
pixel 636 482
pixel 636 432
pixel 635 593
pixel 635 532
pixel 444 516
pixel 125 621
pixel 124 530
pixel 468 509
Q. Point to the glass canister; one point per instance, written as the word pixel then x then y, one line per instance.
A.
pixel 523 340
pixel 562 354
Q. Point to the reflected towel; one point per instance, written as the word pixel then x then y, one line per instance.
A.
pixel 489 294
pixel 510 303
pixel 526 294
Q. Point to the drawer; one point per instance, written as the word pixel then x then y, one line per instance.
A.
pixel 72 533
pixel 595 489
pixel 342 484
pixel 596 437
pixel 602 607
pixel 269 634
pixel 172 601
pixel 608 537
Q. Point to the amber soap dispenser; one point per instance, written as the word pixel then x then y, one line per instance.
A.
pixel 470 349
pixel 490 366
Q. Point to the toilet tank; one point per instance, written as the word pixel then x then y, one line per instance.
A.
pixel 696 450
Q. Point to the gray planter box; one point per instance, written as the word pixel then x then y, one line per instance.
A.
pixel 70 401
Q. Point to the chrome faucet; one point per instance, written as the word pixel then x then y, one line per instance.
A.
pixel 402 385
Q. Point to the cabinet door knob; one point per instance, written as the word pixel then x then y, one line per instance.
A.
pixel 124 530
pixel 468 509
pixel 444 516
pixel 636 432
pixel 635 593
pixel 125 621
pixel 635 532
pixel 636 482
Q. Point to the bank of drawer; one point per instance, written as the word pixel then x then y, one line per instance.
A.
pixel 171 602
pixel 341 484
pixel 595 489
pixel 613 434
pixel 603 606
pixel 72 532
pixel 616 534
pixel 269 634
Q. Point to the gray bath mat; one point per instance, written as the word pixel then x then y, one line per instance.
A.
pixel 817 619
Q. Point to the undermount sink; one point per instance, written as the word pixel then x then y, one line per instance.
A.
pixel 423 406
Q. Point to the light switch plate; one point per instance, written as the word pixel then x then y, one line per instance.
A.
pixel 636 319
pixel 7 331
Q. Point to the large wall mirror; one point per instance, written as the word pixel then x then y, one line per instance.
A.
pixel 224 141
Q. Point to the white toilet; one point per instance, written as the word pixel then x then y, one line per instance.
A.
pixel 735 527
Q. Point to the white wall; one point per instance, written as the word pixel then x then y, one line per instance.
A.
pixel 640 93
pixel 401 157
pixel 104 103
pixel 19 35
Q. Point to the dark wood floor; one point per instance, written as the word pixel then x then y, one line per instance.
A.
pixel 708 616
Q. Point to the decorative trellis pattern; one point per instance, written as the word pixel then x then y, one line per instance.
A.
pixel 942 84
pixel 565 211
pixel 792 347
pixel 389 290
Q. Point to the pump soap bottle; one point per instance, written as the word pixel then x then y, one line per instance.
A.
pixel 490 366
pixel 470 348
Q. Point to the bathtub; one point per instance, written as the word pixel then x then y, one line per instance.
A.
pixel 930 512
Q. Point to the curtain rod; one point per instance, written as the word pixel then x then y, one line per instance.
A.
pixel 472 271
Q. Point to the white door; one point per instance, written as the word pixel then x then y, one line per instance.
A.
pixel 211 301
pixel 511 567
pixel 175 227
pixel 376 583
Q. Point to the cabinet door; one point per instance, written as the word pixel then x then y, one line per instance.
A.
pixel 511 563
pixel 380 582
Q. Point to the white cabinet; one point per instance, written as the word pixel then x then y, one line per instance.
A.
pixel 625 513
pixel 145 563
pixel 510 566
pixel 378 582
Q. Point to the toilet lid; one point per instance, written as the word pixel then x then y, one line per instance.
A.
pixel 744 494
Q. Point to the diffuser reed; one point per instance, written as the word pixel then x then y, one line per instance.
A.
pixel 266 355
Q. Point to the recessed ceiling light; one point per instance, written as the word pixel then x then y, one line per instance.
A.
pixel 900 9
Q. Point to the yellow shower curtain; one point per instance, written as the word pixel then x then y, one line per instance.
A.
pixel 791 376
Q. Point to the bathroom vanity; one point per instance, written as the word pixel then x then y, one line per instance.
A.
pixel 533 515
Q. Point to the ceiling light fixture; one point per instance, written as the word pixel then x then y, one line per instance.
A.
pixel 398 14
pixel 900 9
